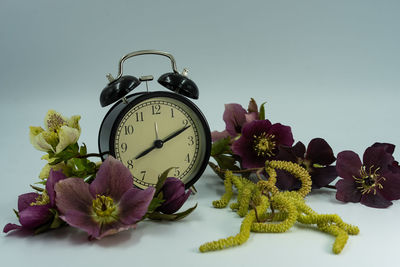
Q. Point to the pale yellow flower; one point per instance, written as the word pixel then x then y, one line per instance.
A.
pixel 59 132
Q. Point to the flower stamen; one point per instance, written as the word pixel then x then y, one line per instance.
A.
pixel 41 200
pixel 369 180
pixel 104 209
pixel 264 144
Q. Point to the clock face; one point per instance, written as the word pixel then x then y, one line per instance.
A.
pixel 159 133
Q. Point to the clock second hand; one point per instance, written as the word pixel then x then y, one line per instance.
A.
pixel 159 143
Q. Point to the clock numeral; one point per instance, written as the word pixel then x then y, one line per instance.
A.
pixel 185 122
pixel 155 109
pixel 128 129
pixel 187 158
pixel 190 140
pixel 177 172
pixel 139 116
pixel 130 164
pixel 172 113
pixel 143 173
pixel 124 147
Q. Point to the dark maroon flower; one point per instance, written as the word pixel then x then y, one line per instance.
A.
pixel 390 149
pixel 235 116
pixel 174 195
pixel 370 182
pixel 108 205
pixel 34 210
pixel 316 160
pixel 260 141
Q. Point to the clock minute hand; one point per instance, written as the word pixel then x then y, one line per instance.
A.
pixel 175 134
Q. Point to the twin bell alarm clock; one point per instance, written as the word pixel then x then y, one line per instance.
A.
pixel 150 132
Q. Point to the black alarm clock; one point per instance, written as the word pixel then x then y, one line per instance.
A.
pixel 150 132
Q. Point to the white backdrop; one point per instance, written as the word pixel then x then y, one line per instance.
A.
pixel 326 68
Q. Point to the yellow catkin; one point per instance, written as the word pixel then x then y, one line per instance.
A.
pixel 226 197
pixel 253 204
pixel 296 170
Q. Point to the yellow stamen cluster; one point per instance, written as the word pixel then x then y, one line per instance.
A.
pixel 104 209
pixel 369 181
pixel 264 144
pixel 259 204
pixel 41 200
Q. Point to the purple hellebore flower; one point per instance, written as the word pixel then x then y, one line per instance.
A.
pixel 372 182
pixel 260 141
pixel 173 193
pixel 316 160
pixel 108 205
pixel 235 116
pixel 34 209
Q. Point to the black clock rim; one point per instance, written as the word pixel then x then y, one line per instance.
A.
pixel 139 97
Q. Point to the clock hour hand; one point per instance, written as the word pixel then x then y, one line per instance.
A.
pixel 175 134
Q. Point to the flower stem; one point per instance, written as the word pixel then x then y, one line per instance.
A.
pixel 93 155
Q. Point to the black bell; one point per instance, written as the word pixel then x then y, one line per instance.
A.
pixel 117 89
pixel 180 84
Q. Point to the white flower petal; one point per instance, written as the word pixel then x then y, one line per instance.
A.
pixel 67 136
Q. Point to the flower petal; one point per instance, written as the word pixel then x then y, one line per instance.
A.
pixel 255 128
pixel 67 136
pixel 11 226
pixel 72 194
pixel 25 200
pixel 234 117
pixel 283 134
pixel 39 142
pixel 348 164
pixel 243 147
pixel 134 204
pixel 54 177
pixel 389 148
pixel 73 122
pixel 252 108
pixel 391 186
pixel 347 191
pixel 113 179
pixel 323 176
pixel 319 151
pixel 34 216
pixel 82 220
pixel 215 135
pixel 299 149
pixel 111 229
pixel 287 182
pixel 375 157
pixel 375 200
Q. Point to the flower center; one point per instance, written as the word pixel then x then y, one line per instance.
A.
pixel 41 200
pixel 369 181
pixel 264 144
pixel 104 209
pixel 54 122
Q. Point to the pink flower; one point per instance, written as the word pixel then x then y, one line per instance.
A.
pixel 108 205
pixel 235 116
pixel 35 210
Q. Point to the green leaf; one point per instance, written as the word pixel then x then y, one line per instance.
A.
pixel 161 180
pixel 262 111
pixel 171 217
pixel 16 213
pixel 155 203
pixel 221 146
pixel 57 222
pixel 83 150
pixel 37 188
pixel 226 162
